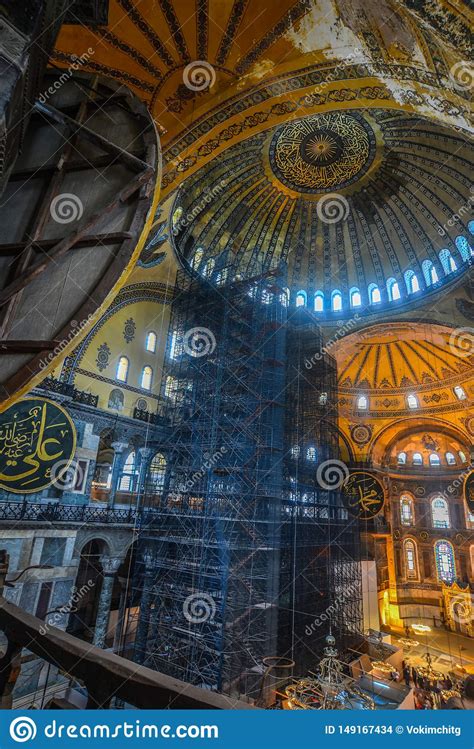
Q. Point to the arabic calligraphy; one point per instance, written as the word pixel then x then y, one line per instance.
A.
pixel 363 495
pixel 469 491
pixel 34 435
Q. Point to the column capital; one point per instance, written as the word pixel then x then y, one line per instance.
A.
pixel 110 565
pixel 119 447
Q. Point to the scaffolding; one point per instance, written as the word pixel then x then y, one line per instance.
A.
pixel 244 552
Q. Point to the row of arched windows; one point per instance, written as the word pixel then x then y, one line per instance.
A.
pixel 412 283
pixel 434 459
pixel 439 512
pixel 362 402
pixel 146 377
pixel 444 560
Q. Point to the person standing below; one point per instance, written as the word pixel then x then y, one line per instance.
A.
pixel 406 674
pixel 414 676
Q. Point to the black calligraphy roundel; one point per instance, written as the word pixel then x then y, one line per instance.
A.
pixel 363 495
pixel 37 444
pixel 469 491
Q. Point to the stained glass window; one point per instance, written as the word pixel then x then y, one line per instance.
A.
pixel 406 510
pixel 410 558
pixel 440 513
pixel 444 558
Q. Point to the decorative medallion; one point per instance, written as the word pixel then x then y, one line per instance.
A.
pixel 142 404
pixel 129 330
pixel 420 491
pixel 469 422
pixel 469 491
pixel 397 534
pixel 424 536
pixel 323 153
pixel 363 495
pixel 361 434
pixel 103 356
pixel 37 445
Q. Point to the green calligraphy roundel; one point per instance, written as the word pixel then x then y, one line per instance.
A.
pixel 37 444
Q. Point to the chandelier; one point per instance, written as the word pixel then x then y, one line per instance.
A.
pixel 329 689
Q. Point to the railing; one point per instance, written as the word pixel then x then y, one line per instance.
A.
pixel 29 511
pixel 65 388
pixel 104 674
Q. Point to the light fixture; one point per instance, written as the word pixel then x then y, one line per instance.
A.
pixel 421 628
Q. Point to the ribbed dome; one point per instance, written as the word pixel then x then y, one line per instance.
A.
pixel 374 204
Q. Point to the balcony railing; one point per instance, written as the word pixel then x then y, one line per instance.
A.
pixel 65 388
pixel 29 511
pixel 104 674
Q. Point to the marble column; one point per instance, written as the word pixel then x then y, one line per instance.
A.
pixel 110 566
pixel 145 607
pixel 117 646
pixel 145 455
pixel 118 447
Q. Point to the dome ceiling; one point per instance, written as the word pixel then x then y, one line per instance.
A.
pixel 347 199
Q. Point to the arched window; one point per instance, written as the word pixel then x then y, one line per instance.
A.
pixel 393 290
pixel 156 473
pixel 427 267
pixel 285 297
pixel 171 384
pixel 445 565
pixel 412 401
pixel 447 261
pixel 463 247
pixel 355 297
pixel 311 454
pixel 411 281
pixel 336 300
pixel 151 341
pixel 362 403
pixel 319 301
pixel 198 256
pixel 402 458
pixel 295 451
pixel 116 400
pixel 122 369
pixel 459 392
pixel 435 460
pixel 374 294
pixel 411 562
pixel 323 399
pixel 450 459
pixel 406 510
pixel 209 267
pixel 439 513
pixel 129 474
pixel 221 277
pixel 301 299
pixel 147 376
pixel 462 456
pixel 417 459
pixel 267 296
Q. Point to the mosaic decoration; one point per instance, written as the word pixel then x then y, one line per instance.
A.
pixel 37 444
pixel 363 495
pixel 323 153
pixel 361 434
pixel 103 357
pixel 129 330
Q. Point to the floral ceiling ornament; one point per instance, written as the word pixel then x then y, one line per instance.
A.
pixel 129 330
pixel 103 357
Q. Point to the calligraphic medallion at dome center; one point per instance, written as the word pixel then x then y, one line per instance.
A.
pixel 37 445
pixel 324 152
pixel 469 491
pixel 363 495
